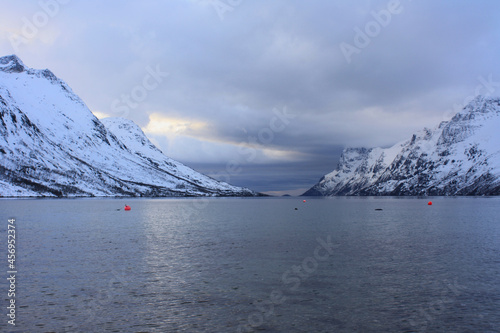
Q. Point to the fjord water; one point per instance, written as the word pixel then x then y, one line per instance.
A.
pixel 237 265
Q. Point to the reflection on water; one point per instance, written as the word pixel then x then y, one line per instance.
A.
pixel 228 265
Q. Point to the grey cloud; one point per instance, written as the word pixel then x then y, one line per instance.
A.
pixel 232 73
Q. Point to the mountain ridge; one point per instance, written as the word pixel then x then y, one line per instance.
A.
pixel 52 145
pixel 457 157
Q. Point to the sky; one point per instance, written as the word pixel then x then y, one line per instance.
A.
pixel 264 94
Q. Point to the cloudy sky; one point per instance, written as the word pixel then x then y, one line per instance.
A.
pixel 264 93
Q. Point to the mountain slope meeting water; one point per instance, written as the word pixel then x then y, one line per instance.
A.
pixel 52 145
pixel 458 157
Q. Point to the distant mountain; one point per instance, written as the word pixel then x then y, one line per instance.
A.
pixel 52 145
pixel 458 157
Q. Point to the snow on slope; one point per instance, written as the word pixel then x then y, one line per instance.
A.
pixel 138 144
pixel 52 145
pixel 458 157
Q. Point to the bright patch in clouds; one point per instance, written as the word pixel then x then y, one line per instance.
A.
pixel 194 141
pixel 172 127
pixel 101 115
pixel 279 155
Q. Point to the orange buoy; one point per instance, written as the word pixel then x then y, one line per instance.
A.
pixel 429 203
pixel 127 207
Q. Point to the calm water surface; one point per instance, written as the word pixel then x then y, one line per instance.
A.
pixel 255 264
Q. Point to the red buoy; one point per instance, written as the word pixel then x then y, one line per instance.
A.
pixel 303 201
pixel 429 203
pixel 127 207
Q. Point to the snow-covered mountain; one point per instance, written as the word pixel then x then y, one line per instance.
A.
pixel 458 157
pixel 52 145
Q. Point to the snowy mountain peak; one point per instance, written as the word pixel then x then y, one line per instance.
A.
pixel 470 119
pixel 458 157
pixel 129 133
pixel 52 145
pixel 480 106
pixel 11 64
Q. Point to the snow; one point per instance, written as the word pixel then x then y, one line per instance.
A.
pixel 52 144
pixel 9 190
pixel 458 157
